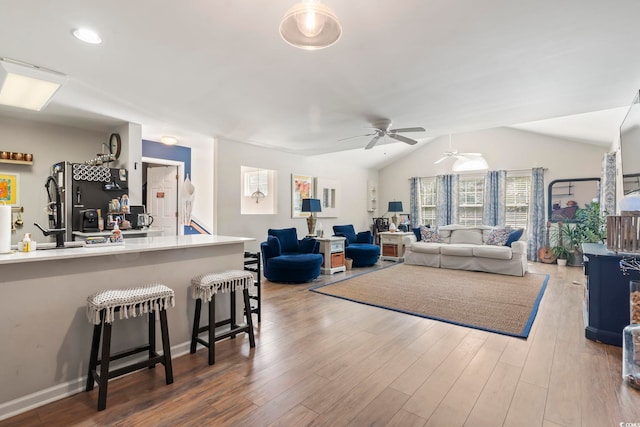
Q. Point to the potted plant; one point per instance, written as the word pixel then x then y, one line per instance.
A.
pixel 561 253
pixel 589 227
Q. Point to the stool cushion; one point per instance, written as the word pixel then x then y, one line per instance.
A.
pixel 129 301
pixel 208 284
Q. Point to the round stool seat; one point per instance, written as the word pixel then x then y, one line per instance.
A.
pixel 207 285
pixel 131 302
pixel 297 268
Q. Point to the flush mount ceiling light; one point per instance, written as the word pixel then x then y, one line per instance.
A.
pixel 310 25
pixel 463 164
pixel 87 36
pixel 169 140
pixel 27 86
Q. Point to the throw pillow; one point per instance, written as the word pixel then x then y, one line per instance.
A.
pixel 417 231
pixel 429 235
pixel 498 236
pixel 514 236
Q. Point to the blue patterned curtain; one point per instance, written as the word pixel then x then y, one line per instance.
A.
pixel 446 199
pixel 537 216
pixel 608 185
pixel 414 203
pixel 495 198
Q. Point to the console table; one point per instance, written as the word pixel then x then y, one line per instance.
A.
pixel 393 245
pixel 332 249
pixel 606 294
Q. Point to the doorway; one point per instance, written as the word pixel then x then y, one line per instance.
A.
pixel 161 180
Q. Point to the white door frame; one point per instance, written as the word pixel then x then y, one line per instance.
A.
pixel 180 165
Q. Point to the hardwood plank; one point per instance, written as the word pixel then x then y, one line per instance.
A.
pixel 298 416
pixel 381 409
pixel 527 406
pixel 427 398
pixel 406 419
pixel 493 403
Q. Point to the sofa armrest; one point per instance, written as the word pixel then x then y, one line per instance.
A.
pixel 364 237
pixel 409 240
pixel 519 247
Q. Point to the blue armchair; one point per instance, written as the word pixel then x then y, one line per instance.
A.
pixel 358 246
pixel 289 260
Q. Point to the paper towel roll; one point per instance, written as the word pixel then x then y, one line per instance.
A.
pixel 5 229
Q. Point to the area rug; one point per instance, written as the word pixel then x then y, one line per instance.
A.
pixel 491 302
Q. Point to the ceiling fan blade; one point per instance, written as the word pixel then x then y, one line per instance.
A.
pixel 470 154
pixel 403 139
pixel 414 129
pixel 357 136
pixel 441 159
pixel 373 142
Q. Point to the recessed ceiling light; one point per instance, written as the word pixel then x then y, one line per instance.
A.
pixel 87 36
pixel 169 140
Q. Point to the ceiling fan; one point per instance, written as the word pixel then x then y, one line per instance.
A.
pixel 456 155
pixel 383 128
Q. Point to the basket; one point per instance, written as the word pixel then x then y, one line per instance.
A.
pixel 623 232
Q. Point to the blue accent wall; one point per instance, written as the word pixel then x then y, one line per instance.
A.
pixel 158 150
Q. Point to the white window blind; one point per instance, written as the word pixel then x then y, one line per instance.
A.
pixel 470 200
pixel 428 200
pixel 518 194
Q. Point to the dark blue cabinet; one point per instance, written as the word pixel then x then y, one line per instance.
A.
pixel 606 298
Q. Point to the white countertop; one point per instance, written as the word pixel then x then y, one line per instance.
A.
pixel 131 245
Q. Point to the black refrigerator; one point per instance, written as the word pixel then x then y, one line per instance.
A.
pixel 84 187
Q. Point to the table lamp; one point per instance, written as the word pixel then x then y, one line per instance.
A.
pixel 312 206
pixel 395 207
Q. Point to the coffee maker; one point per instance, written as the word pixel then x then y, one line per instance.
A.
pixel 88 219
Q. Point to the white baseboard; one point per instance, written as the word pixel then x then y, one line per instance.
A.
pixel 60 391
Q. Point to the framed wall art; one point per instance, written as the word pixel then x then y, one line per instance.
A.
pixel 302 187
pixel 328 190
pixel 9 188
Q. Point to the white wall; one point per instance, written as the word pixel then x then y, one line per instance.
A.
pixel 503 148
pixel 49 144
pixel 232 155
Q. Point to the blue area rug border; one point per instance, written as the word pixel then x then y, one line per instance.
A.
pixel 525 330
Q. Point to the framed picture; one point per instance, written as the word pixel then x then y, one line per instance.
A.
pixel 9 188
pixel 327 190
pixel 302 187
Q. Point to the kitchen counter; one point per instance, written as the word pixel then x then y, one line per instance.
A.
pixel 43 323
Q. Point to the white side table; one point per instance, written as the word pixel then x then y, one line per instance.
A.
pixel 332 249
pixel 393 245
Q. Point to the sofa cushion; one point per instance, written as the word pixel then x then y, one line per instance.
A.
pixel 426 248
pixel 288 238
pixel 457 249
pixel 514 236
pixel 498 236
pixel 472 236
pixel 491 251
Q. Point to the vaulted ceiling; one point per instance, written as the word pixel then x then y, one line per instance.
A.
pixel 218 68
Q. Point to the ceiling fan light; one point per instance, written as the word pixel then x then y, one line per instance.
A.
pixel 464 164
pixel 310 25
pixel 169 140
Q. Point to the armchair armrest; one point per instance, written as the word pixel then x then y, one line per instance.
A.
pixel 364 237
pixel 519 247
pixel 409 240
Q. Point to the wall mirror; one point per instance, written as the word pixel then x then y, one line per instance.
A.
pixel 566 196
pixel 630 183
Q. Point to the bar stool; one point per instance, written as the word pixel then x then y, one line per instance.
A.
pixel 131 302
pixel 205 287
pixel 252 263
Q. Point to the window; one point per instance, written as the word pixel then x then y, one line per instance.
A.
pixel 258 191
pixel 470 200
pixel 428 200
pixel 518 193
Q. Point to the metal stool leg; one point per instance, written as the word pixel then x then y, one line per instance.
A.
pixel 152 336
pixel 247 309
pixel 104 367
pixel 93 358
pixel 212 330
pixel 166 347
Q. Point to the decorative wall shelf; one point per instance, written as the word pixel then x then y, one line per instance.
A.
pixel 16 162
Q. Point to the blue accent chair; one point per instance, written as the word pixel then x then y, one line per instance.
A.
pixel 359 247
pixel 289 260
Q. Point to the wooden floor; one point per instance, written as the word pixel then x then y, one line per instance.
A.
pixel 323 361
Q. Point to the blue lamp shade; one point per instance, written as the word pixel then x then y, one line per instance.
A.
pixel 395 207
pixel 311 205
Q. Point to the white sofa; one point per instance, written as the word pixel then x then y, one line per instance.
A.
pixel 464 248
